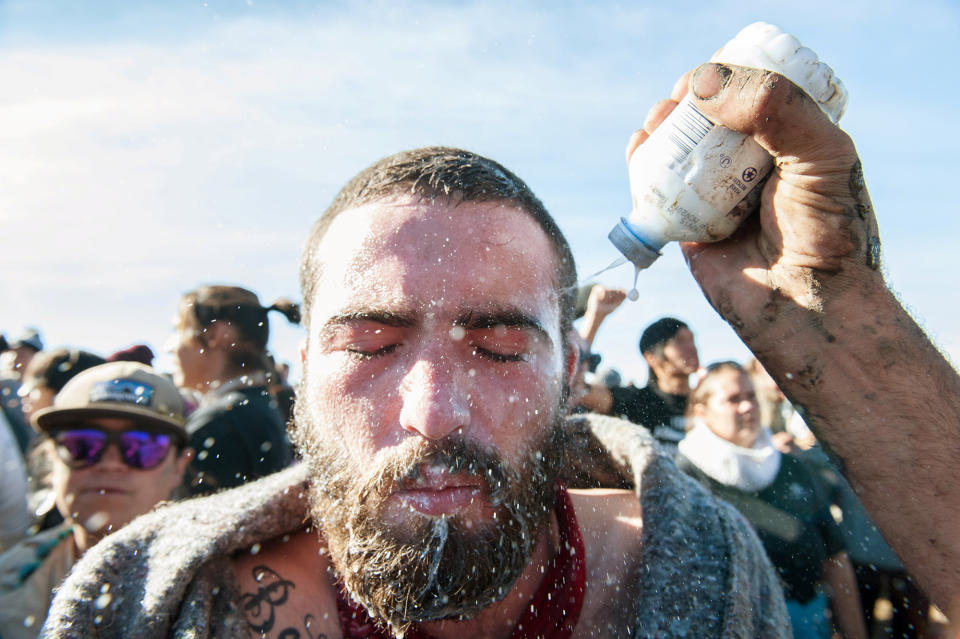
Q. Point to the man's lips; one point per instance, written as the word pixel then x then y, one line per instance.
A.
pixel 446 501
pixel 436 492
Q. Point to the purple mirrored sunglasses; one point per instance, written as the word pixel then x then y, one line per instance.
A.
pixel 139 449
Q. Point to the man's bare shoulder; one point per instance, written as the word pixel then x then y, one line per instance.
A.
pixel 611 522
pixel 598 506
pixel 286 588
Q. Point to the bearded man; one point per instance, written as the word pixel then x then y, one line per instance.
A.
pixel 438 300
pixel 439 297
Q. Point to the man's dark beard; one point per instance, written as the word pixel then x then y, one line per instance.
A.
pixel 430 567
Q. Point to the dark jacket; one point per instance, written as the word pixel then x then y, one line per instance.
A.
pixel 237 437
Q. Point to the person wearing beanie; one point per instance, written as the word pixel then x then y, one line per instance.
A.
pixel 49 372
pixel 46 376
pixel 116 438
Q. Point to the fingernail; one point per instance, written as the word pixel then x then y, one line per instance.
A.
pixel 709 80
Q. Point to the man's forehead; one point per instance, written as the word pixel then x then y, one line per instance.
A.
pixel 390 219
pixel 422 254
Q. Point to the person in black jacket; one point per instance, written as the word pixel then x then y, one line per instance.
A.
pixel 730 453
pixel 669 349
pixel 219 347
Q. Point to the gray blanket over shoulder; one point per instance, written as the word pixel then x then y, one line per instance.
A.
pixel 168 574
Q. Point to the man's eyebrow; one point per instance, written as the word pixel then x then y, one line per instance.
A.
pixel 387 318
pixel 510 318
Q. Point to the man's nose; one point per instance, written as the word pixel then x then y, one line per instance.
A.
pixel 434 403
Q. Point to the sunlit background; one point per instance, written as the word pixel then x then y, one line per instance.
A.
pixel 146 148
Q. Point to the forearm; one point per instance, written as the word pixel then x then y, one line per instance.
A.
pixel 882 397
pixel 841 583
pixel 591 324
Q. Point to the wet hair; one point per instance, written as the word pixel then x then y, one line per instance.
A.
pixel 53 369
pixel 701 394
pixel 452 175
pixel 241 309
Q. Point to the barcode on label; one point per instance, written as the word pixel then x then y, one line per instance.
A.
pixel 687 129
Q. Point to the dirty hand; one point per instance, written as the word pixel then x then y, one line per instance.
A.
pixel 603 301
pixel 815 223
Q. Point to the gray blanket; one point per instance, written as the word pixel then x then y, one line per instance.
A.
pixel 703 573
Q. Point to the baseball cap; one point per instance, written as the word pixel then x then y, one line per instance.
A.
pixel 117 389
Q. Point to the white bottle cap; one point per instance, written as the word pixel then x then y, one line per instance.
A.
pixel 764 46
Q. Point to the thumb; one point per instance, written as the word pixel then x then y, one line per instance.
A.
pixel 778 114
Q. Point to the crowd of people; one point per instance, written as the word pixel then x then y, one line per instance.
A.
pixel 91 442
pixel 735 432
pixel 225 409
pixel 451 467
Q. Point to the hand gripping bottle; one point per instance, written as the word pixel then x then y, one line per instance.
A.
pixel 694 181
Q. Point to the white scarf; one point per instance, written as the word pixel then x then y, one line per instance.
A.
pixel 749 469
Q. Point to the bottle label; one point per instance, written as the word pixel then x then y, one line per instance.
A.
pixel 687 130
pixel 688 177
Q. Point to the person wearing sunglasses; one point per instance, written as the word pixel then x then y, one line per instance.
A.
pixel 117 445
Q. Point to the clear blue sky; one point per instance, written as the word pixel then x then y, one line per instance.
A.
pixel 150 147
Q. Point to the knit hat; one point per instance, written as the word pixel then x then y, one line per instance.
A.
pixel 136 353
pixel 117 389
pixel 53 369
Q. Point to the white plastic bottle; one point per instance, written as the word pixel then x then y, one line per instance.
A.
pixel 691 178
